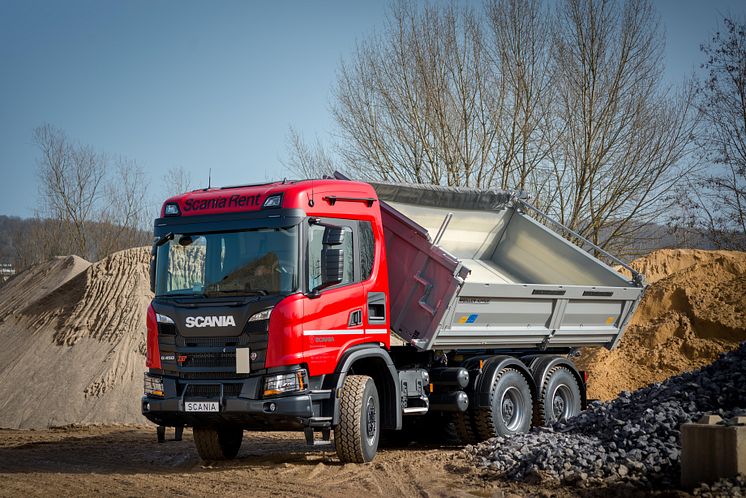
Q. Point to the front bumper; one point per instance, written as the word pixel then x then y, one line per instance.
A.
pixel 240 402
pixel 282 413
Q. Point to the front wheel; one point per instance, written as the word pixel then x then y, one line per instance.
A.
pixel 217 444
pixel 356 436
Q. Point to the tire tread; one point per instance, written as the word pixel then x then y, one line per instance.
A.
pixel 348 434
pixel 464 426
pixel 209 446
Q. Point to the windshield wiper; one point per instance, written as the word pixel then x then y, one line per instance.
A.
pixel 251 292
pixel 183 294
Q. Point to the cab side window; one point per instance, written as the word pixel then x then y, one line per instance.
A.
pixel 349 261
pixel 367 250
pixel 315 237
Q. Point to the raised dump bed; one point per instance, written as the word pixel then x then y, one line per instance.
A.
pixel 473 270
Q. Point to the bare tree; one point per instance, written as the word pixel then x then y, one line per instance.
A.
pixel 90 205
pixel 31 242
pixel 307 161
pixel 415 105
pixel 520 65
pixel 445 96
pixel 71 177
pixel 567 103
pixel 123 217
pixel 177 180
pixel 623 140
pixel 717 203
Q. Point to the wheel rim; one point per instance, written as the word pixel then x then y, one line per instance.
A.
pixel 370 423
pixel 562 403
pixel 512 408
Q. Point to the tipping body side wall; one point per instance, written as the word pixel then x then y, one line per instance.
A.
pixel 534 254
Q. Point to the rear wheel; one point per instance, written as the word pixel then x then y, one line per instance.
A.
pixel 463 423
pixel 218 444
pixel 356 436
pixel 510 407
pixel 560 397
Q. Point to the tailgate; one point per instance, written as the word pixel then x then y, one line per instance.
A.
pixel 423 279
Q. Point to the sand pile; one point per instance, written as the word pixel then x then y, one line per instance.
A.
pixel 38 281
pixel 73 342
pixel 694 309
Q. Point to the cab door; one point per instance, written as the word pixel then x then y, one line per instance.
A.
pixel 333 316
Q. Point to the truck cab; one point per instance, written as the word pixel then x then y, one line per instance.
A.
pixel 262 293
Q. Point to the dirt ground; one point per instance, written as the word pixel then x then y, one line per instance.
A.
pixel 127 461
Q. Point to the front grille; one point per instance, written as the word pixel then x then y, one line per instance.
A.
pixel 212 390
pixel 253 336
pixel 167 329
pixel 212 342
pixel 256 327
pixel 210 360
pixel 212 375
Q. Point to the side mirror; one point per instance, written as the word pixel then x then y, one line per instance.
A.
pixel 154 255
pixel 332 266
pixel 333 236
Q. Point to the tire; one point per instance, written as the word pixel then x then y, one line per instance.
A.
pixel 463 423
pixel 359 429
pixel 510 409
pixel 559 398
pixel 218 444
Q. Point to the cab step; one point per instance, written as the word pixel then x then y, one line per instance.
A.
pixel 326 435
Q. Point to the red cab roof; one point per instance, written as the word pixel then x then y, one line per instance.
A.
pixel 316 197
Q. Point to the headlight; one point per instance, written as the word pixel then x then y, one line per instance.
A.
pixel 153 386
pixel 284 383
pixel 272 201
pixel 171 209
pixel 262 315
pixel 163 318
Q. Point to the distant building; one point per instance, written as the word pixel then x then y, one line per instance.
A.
pixel 6 271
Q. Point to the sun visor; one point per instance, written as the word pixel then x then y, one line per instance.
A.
pixel 443 197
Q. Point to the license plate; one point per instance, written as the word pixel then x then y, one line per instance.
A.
pixel 201 406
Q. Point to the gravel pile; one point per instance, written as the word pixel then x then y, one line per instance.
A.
pixel 632 439
pixel 724 487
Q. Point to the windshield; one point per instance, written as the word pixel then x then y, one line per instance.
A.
pixel 263 261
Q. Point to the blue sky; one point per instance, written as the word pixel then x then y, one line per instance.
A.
pixel 203 84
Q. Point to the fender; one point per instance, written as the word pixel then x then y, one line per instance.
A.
pixel 540 365
pixel 491 367
pixel 392 415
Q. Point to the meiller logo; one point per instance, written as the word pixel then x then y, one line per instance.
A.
pixel 210 321
pixel 236 200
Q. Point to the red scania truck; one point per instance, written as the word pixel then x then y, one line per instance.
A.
pixel 337 305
